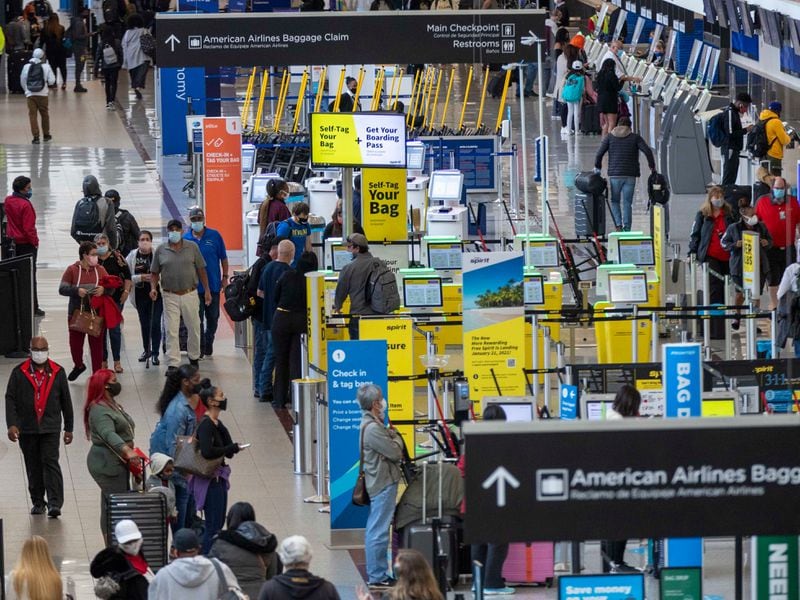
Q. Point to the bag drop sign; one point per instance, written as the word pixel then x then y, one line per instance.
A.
pixel 682 375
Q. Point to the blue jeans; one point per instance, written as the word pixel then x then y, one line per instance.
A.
pixel 115 337
pixel 531 71
pixel 209 317
pixel 267 365
pixel 376 535
pixel 184 503
pixel 214 510
pixel 622 186
pixel 259 353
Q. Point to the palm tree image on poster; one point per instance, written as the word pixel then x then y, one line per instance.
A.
pixel 509 294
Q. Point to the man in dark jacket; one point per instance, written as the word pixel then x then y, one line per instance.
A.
pixel 36 397
pixel 297 582
pixel 623 147
pixel 127 227
pixel 353 281
pixel 106 221
pixel 734 141
pixel 21 227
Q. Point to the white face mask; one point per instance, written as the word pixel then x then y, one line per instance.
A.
pixel 132 548
pixel 752 221
pixel 39 356
pixel 382 412
pixel 717 202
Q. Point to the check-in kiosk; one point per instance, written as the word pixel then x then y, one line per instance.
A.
pixel 542 290
pixel 521 409
pixel 322 196
pixel 447 215
pixel 336 254
pixel 444 254
pixel 596 407
pixel 422 293
pixel 417 182
pixel 720 404
pixel 540 250
pixel 626 288
pixel 248 161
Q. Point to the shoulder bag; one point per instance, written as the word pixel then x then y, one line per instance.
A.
pixel 226 592
pixel 360 494
pixel 189 459
pixel 86 321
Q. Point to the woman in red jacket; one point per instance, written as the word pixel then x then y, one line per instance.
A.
pixel 21 227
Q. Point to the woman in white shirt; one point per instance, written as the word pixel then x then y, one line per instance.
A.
pixel 133 57
pixel 35 577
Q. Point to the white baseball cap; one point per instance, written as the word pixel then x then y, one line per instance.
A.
pixel 127 531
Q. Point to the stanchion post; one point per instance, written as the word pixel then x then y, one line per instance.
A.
pixel 304 356
pixel 347 202
pixel 535 355
pixel 321 474
pixel 706 302
pixel 635 335
pixel 773 318
pixel 693 291
pixel 654 335
pixel 546 378
pixel 750 341
pixel 727 302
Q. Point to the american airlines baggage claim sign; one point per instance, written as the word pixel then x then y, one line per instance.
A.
pixel 575 480
pixel 402 37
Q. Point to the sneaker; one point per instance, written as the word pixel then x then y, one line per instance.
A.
pixel 35 140
pixel 503 591
pixel 266 397
pixel 564 131
pixel 154 360
pixel 138 94
pixel 76 372
pixel 47 138
pixel 38 312
pixel 561 567
pixel 209 349
pixel 80 89
pixel 54 513
pixel 382 585
pixel 623 567
pixel 194 362
pixel 38 509
pixel 735 325
pixel 110 106
pixel 143 356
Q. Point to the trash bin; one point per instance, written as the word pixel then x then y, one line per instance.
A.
pixel 304 405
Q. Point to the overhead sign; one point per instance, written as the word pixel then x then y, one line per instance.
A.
pixel 403 37
pixel 654 478
pixel 601 587
pixel 362 139
pixel 384 212
pixel 682 374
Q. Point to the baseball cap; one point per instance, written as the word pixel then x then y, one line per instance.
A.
pixel 775 107
pixel 127 531
pixel 196 212
pixel 174 223
pixel 185 540
pixel 577 65
pixel 358 239
pixel 578 41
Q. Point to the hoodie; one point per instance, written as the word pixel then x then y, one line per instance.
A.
pixel 298 584
pixel 623 147
pixel 190 577
pixel 776 133
pixel 249 551
pixel 49 76
pixel 105 208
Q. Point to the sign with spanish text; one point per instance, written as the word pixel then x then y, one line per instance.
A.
pixel 222 178
pixel 384 212
pixel 685 583
pixel 360 139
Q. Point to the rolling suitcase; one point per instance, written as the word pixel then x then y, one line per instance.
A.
pixel 590 119
pixel 530 563
pixel 495 86
pixel 590 214
pixel 149 512
pixel 16 60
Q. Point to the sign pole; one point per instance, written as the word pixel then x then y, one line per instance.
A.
pixel 347 202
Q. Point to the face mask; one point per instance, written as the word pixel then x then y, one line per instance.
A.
pixel 620 53
pixel 752 221
pixel 28 194
pixel 382 412
pixel 132 548
pixel 197 388
pixel 778 194
pixel 91 260
pixel 102 250
pixel 717 202
pixel 197 226
pixel 145 246
pixel 174 237
pixel 39 356
pixel 114 388
pixel 222 404
pixel 303 220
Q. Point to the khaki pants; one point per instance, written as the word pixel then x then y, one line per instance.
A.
pixel 39 105
pixel 188 307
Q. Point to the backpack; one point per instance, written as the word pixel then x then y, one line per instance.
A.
pixel 110 58
pixel 86 220
pixel 270 233
pixel 239 301
pixel 35 77
pixel 573 88
pixel 757 143
pixel 381 290
pixel 148 44
pixel 126 228
pixel 110 11
pixel 715 129
pixel 657 189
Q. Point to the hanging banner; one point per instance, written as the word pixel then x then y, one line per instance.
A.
pixel 362 139
pixel 775 567
pixel 751 262
pixel 178 86
pixel 350 365
pixel 494 324
pixel 222 178
pixel 384 213
pixel 681 584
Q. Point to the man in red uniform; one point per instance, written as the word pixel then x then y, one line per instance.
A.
pixel 21 227
pixel 781 215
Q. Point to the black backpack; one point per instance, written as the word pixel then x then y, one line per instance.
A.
pixel 381 290
pixel 127 231
pixel 757 143
pixel 657 189
pixel 86 220
pixel 239 301
pixel 35 77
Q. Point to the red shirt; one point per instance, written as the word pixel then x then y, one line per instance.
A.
pixel 21 220
pixel 781 220
pixel 715 249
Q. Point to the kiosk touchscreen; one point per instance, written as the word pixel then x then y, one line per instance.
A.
pixel 539 251
pixel 720 404
pixel 340 256
pixel 415 156
pixel 517 408
pixel 636 251
pixel 248 160
pixel 258 187
pixel 445 187
pixel 445 256
pixel 422 292
pixel 595 407
pixel 533 290
pixel 627 287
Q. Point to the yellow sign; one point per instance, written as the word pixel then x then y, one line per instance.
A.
pixel 358 140
pixel 659 240
pixel 383 205
pixel 751 263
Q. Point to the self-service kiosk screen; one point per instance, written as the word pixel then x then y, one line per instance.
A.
pixel 636 252
pixel 718 407
pixel 534 290
pixel 445 256
pixel 541 254
pixel 258 189
pixel 517 411
pixel 415 157
pixel 627 288
pixel 422 292
pixel 340 256
pixel 446 186
pixel 596 410
pixel 248 160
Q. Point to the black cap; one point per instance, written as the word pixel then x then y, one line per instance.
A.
pixel 185 540
pixel 174 223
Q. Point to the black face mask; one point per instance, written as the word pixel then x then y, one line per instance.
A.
pixel 303 220
pixel 114 388
pixel 197 388
pixel 222 404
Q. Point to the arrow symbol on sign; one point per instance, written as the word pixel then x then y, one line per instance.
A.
pixel 501 477
pixel 172 40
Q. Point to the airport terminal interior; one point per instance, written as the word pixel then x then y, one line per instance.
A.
pixel 476 181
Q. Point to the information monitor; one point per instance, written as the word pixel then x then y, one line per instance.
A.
pixel 444 256
pixel 422 292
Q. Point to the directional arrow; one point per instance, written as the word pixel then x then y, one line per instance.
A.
pixel 172 40
pixel 501 476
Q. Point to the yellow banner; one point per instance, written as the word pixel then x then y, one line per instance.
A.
pixel 751 263
pixel 383 204
pixel 358 140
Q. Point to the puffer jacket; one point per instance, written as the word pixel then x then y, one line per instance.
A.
pixel 733 234
pixel 623 147
pixel 702 230
pixel 776 133
pixel 249 551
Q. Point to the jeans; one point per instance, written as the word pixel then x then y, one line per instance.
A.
pixel 573 115
pixel 622 186
pixel 531 71
pixel 267 365
pixel 730 166
pixel 209 318
pixel 492 556
pixel 184 503
pixel 110 78
pixel 796 346
pixel 259 353
pixel 115 337
pixel 376 535
pixel 40 451
pixel 214 510
pixel 149 319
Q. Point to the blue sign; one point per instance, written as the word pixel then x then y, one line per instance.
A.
pixel 682 376
pixel 568 401
pixel 683 552
pixel 601 587
pixel 177 86
pixel 197 139
pixel 350 365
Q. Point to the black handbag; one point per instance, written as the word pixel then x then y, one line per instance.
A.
pixel 360 493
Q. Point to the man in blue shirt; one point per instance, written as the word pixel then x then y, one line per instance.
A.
pixel 297 230
pixel 212 247
pixel 266 290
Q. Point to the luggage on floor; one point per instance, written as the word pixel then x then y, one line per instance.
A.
pixel 590 182
pixel 17 60
pixel 149 512
pixel 590 214
pixel 529 563
pixel 495 86
pixel 590 119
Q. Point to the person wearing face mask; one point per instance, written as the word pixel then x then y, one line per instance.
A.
pixel 110 429
pixel 127 226
pixel 122 564
pixel 732 242
pixel 37 395
pixel 214 441
pixel 150 311
pixel 705 241
pixel 212 247
pixel 658 54
pixel 381 451
pixel 79 282
pixel 178 265
pixel 21 227
pixel 353 281
pixel 780 214
pixel 347 101
pixel 114 264
pixel 734 137
pixel 334 228
pixel 176 406
pixel 274 208
pixel 297 230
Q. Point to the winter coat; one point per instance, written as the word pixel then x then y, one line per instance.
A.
pixel 702 230
pixel 298 584
pixel 776 133
pixel 249 551
pixel 20 401
pixel 20 220
pixel 734 234
pixel 111 562
pixel 623 147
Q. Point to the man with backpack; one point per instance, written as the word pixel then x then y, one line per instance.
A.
pixel 126 226
pixel 35 78
pixel 93 214
pixel 733 141
pixel 772 138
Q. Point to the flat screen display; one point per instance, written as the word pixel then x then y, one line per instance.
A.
pixel 718 407
pixel 627 288
pixel 445 256
pixel 422 292
pixel 534 290
pixel 596 410
pixel 360 139
pixel 340 256
pixel 445 186
pixel 636 252
pixel 248 158
pixel 541 254
pixel 517 411
pixel 258 189
pixel 415 157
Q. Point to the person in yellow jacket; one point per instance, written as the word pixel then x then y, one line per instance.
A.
pixel 777 137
